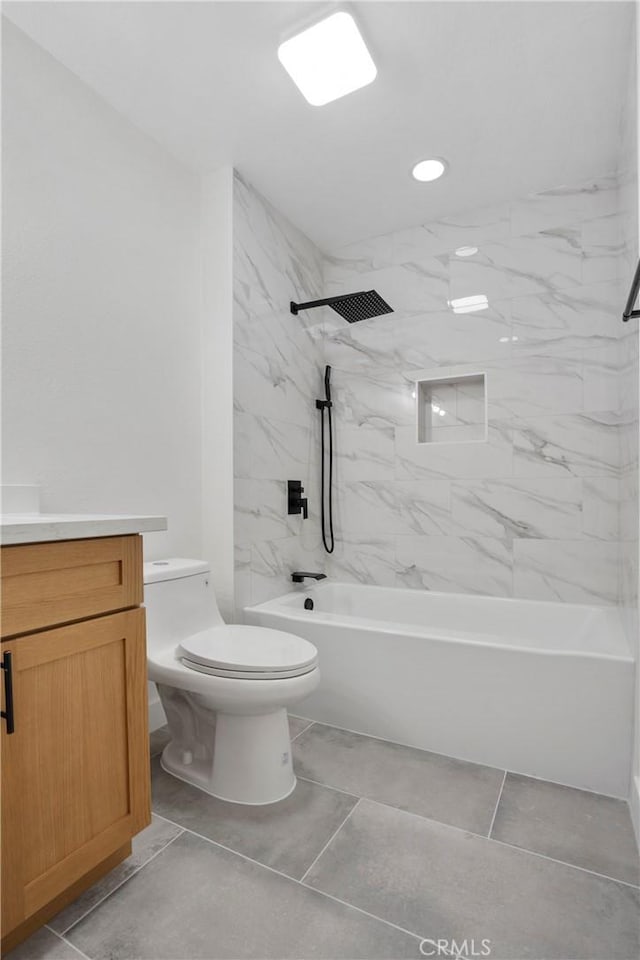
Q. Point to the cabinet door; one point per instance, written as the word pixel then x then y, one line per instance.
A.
pixel 75 772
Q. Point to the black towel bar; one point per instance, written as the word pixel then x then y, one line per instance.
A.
pixel 633 296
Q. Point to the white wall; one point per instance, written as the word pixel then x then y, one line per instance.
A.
pixel 217 383
pixel 101 306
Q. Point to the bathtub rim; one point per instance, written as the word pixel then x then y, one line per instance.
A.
pixel 278 606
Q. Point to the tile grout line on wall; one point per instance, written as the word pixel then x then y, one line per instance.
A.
pixel 495 812
pixel 122 882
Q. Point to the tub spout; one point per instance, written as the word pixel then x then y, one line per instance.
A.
pixel 299 576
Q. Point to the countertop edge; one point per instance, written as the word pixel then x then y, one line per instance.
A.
pixel 46 531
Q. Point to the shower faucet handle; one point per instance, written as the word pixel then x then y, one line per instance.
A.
pixel 296 503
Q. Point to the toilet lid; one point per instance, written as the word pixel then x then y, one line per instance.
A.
pixel 256 652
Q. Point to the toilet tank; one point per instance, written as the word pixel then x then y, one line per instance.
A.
pixel 179 599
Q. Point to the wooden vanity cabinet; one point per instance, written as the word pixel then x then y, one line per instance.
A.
pixel 75 769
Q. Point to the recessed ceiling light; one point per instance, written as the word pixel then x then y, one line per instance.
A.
pixel 428 170
pixel 328 60
pixel 466 251
pixel 469 304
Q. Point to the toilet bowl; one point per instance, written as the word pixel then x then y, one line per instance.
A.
pixel 225 688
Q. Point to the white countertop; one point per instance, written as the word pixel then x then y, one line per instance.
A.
pixel 41 527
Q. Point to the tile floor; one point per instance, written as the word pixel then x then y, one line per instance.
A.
pixel 379 847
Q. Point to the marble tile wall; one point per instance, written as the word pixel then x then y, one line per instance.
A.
pixel 629 352
pixel 276 380
pixel 535 511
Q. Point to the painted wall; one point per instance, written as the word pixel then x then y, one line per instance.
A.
pixel 276 380
pixel 217 384
pixel 532 512
pixel 101 385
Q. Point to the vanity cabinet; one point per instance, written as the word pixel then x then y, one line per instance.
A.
pixel 75 768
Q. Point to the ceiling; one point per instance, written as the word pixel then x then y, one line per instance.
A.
pixel 517 96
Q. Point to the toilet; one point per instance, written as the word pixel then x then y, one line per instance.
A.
pixel 225 689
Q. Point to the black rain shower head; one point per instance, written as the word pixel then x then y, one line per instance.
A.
pixel 352 307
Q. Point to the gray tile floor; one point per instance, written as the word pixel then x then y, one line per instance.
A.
pixel 379 847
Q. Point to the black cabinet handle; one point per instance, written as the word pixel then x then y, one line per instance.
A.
pixel 8 693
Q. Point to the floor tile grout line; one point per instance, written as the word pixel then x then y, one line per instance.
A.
pixel 122 882
pixel 286 876
pixel 441 823
pixel 300 732
pixel 495 812
pixel 410 746
pixel 60 936
pixel 564 863
pixel 472 763
pixel 329 786
pixel 503 843
pixel 329 842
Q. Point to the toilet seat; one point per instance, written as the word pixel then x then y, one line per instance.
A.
pixel 248 653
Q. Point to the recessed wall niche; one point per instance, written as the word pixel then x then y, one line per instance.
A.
pixel 452 409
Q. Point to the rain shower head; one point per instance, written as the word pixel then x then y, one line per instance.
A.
pixel 351 307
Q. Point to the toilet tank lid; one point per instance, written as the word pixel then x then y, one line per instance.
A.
pixel 174 568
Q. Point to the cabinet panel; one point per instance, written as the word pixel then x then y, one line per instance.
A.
pixel 75 771
pixel 44 584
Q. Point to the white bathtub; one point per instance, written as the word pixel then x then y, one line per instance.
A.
pixel 544 689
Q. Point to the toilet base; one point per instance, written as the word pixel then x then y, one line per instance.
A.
pixel 251 760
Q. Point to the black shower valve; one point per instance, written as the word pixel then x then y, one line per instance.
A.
pixel 296 503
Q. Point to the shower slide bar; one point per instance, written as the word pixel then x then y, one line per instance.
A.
pixel 629 312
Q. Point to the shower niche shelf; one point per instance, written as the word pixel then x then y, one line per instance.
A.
pixel 452 409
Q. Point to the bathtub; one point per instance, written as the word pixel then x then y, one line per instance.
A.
pixel 538 688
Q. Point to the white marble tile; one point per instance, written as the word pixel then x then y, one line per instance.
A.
pixel 242 579
pixel 478 565
pixel 267 386
pixel 536 509
pixel 271 449
pixel 273 562
pixel 564 205
pixel 364 453
pixel 601 374
pixel 364 399
pixel 577 571
pixel 449 338
pixel 582 445
pixel 272 259
pixel 492 458
pixel 542 263
pixel 363 256
pixel 363 346
pixel 601 503
pixel 564 322
pixel 410 287
pixel 603 246
pixel 532 386
pixel 400 507
pixel 471 228
pixel 261 511
pixel 364 560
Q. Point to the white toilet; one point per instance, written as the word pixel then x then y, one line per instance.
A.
pixel 225 689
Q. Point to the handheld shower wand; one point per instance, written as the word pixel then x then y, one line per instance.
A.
pixel 326 491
